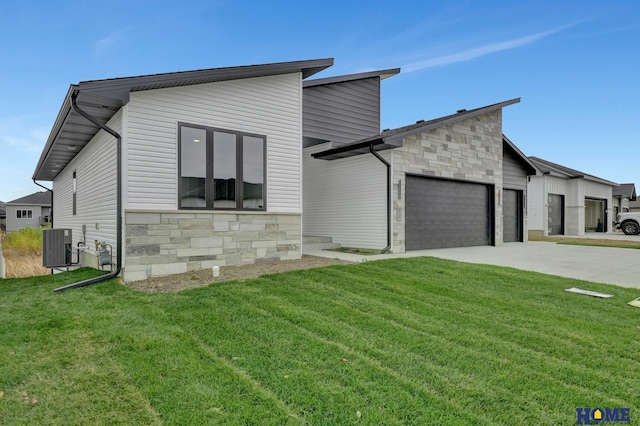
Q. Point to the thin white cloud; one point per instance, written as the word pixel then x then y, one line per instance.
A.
pixel 19 134
pixel 478 52
pixel 110 41
pixel 22 139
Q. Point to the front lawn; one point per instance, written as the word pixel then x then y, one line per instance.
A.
pixel 404 341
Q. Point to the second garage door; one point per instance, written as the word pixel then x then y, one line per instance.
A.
pixel 512 214
pixel 445 213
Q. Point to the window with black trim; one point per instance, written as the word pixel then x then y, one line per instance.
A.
pixel 24 214
pixel 221 169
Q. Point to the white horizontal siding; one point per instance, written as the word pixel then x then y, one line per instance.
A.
pixel 268 106
pixel 345 199
pixel 95 168
pixel 536 203
pixel 514 176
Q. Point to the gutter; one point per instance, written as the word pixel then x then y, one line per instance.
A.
pixel 51 191
pixel 386 163
pixel 116 135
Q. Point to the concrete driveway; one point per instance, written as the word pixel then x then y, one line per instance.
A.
pixel 598 264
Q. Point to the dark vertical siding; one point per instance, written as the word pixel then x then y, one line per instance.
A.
pixel 341 112
pixel 513 175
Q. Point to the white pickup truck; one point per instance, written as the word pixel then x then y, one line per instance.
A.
pixel 629 223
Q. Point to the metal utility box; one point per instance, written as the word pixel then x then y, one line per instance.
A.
pixel 56 247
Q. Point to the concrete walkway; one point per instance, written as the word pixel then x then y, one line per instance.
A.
pixel 598 264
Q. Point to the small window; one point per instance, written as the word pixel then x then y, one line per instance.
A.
pixel 221 169
pixel 24 214
pixel 75 187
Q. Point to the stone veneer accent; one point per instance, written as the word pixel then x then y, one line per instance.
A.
pixel 170 242
pixel 469 150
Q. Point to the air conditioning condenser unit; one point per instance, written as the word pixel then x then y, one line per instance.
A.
pixel 56 247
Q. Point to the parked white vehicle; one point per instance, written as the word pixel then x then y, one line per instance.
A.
pixel 629 223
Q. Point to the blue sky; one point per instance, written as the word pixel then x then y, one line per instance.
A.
pixel 575 64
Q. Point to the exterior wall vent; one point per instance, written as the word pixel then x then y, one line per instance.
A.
pixel 56 247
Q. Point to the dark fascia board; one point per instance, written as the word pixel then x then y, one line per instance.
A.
pixel 105 97
pixel 382 74
pixel 553 169
pixel 423 126
pixel 524 161
pixel 393 138
pixel 352 149
pixel 63 114
pixel 121 87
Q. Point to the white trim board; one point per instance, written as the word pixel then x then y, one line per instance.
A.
pixel 588 292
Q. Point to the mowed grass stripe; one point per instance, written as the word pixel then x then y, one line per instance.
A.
pixel 340 375
pixel 543 343
pixel 558 326
pixel 579 366
pixel 261 301
pixel 184 378
pixel 408 341
pixel 472 356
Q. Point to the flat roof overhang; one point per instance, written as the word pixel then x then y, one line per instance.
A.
pixel 102 99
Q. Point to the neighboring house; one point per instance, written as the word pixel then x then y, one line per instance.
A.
pixel 634 206
pixel 197 169
pixel 454 181
pixel 564 201
pixel 33 211
pixel 623 195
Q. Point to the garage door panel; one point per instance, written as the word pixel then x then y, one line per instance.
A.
pixel 442 213
pixel 512 216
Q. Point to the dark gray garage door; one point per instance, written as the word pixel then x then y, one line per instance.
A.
pixel 556 214
pixel 512 211
pixel 443 213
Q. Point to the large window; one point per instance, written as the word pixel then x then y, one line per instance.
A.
pixel 221 169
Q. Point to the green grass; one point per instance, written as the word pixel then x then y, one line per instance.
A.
pixel 405 341
pixel 355 250
pixel 605 244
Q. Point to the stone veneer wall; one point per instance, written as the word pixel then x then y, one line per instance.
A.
pixel 469 150
pixel 170 242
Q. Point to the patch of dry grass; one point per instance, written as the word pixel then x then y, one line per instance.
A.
pixel 22 253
